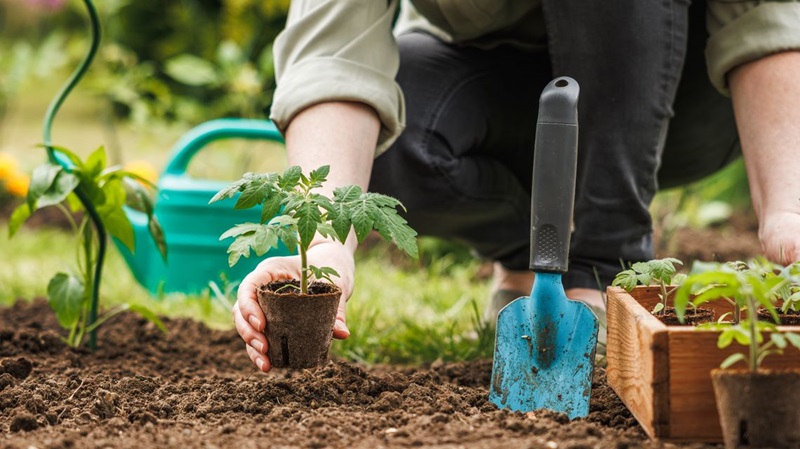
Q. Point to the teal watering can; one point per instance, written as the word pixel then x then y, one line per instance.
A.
pixel 191 226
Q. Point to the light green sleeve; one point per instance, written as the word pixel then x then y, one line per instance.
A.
pixel 339 50
pixel 743 31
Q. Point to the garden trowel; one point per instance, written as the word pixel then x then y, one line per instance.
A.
pixel 545 345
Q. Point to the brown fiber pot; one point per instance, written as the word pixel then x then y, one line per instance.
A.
pixel 758 410
pixel 299 327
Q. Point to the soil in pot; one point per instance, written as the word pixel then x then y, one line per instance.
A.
pixel 299 327
pixel 694 317
pixel 789 318
pixel 758 410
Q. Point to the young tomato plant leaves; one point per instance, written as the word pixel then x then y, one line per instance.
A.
pixel 65 293
pixel 661 272
pixel 293 214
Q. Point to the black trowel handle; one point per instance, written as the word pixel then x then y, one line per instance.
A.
pixel 554 165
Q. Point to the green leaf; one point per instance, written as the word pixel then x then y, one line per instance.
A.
pixel 308 217
pixel 191 70
pixel 239 229
pixel 42 178
pixel 778 339
pixel 793 338
pixel 255 192
pixel 393 227
pixel 626 279
pixel 347 194
pixel 732 359
pixel 149 315
pixel 65 293
pixel 18 217
pixel 318 176
pixel 137 197
pixel 289 238
pixel 272 207
pixel 323 272
pixel 96 163
pixel 119 226
pixel 265 238
pixel 64 184
pixel 290 178
pixel 658 308
pixel 232 189
pixel 240 248
pixel 725 338
pixel 158 236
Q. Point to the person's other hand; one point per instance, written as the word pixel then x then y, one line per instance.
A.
pixel 780 237
pixel 247 314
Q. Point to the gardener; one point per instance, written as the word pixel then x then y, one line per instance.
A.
pixel 448 104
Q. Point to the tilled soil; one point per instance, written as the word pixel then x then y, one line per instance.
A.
pixel 195 388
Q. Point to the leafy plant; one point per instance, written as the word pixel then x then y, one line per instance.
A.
pixel 109 189
pixel 292 213
pixel 661 272
pixel 750 286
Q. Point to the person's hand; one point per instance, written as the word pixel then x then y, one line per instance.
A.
pixel 247 314
pixel 780 237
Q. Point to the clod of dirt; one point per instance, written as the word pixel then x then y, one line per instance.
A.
pixel 19 368
pixel 6 380
pixel 23 421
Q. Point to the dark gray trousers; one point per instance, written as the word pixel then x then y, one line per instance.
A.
pixel 648 117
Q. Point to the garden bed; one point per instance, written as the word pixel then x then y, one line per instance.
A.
pixel 196 388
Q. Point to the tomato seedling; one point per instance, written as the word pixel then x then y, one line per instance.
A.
pixel 661 272
pixel 292 213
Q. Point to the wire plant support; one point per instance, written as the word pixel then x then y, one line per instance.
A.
pixel 58 158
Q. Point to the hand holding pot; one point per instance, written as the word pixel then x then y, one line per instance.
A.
pixel 247 314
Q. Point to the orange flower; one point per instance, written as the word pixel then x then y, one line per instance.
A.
pixel 17 184
pixel 143 169
pixel 8 165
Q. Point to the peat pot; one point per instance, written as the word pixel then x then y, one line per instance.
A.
pixel 758 410
pixel 299 327
pixel 663 373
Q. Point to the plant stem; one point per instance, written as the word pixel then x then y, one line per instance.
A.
pixel 663 298
pixel 303 269
pixel 753 329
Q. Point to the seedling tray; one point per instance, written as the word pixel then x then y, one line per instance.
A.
pixel 662 373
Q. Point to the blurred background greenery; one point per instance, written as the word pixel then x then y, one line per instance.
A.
pixel 165 67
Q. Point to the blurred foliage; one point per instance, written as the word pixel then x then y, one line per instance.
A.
pixel 186 61
pixel 708 202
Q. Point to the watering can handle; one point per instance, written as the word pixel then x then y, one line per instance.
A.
pixel 554 168
pixel 203 134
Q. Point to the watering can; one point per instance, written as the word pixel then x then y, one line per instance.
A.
pixel 191 226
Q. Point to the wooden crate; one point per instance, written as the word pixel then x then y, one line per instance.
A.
pixel 662 373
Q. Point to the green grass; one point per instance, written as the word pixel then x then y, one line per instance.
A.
pixel 411 312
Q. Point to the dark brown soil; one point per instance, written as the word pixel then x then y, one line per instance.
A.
pixel 790 318
pixel 195 387
pixel 691 318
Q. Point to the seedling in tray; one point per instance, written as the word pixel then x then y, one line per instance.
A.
pixel 661 272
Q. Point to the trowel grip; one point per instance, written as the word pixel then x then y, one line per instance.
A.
pixel 554 170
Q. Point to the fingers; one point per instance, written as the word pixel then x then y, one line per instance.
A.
pixel 260 360
pixel 254 338
pixel 340 330
pixel 780 237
